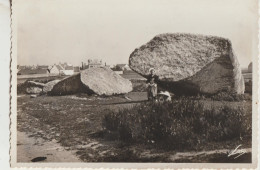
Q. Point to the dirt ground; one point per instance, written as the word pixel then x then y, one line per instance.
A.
pixel 72 126
pixel 29 148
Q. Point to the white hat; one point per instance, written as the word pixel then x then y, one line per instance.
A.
pixel 165 93
pixel 151 69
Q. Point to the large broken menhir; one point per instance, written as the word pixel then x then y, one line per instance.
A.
pixel 190 64
pixel 101 81
pixel 32 87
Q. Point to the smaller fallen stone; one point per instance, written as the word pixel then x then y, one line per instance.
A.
pixel 37 84
pixel 104 81
pixel 93 81
pixel 30 87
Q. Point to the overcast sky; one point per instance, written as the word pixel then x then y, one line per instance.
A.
pixel 52 31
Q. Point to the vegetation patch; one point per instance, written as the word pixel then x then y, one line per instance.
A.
pixel 229 96
pixel 181 124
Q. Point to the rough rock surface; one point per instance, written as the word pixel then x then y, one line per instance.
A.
pixel 190 64
pixel 48 86
pixel 104 81
pixel 70 85
pixel 101 81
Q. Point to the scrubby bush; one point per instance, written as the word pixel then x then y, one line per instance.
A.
pixel 220 96
pixel 178 124
pixel 229 96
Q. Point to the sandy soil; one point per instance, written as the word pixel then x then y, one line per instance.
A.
pixel 29 148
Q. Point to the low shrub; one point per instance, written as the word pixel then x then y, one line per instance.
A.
pixel 220 96
pixel 179 124
pixel 229 96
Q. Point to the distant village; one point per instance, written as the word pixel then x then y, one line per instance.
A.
pixel 67 69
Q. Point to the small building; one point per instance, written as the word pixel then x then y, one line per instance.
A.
pixel 21 67
pixel 250 68
pixel 68 70
pixel 83 66
pixel 123 67
pixel 94 63
pixel 76 69
pixel 61 69
pixel 55 69
pixel 63 65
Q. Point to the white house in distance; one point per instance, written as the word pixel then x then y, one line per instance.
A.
pixel 68 70
pixel 120 68
pixel 94 63
pixel 61 69
pixel 55 69
pixel 123 67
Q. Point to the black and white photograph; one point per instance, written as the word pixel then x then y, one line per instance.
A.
pixel 134 81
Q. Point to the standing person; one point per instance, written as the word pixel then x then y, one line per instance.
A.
pixel 152 81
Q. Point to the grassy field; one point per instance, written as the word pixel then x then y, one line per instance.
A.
pixel 75 121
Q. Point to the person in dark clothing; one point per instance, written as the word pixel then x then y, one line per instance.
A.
pixel 151 82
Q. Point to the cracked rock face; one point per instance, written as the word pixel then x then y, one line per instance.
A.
pixel 104 81
pixel 48 86
pixel 190 64
pixel 69 85
pixel 101 81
